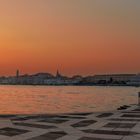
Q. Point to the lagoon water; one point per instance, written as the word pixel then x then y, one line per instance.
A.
pixel 64 99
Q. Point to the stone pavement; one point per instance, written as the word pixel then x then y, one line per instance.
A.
pixel 117 125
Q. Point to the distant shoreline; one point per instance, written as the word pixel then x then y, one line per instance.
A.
pixel 47 79
pixel 69 85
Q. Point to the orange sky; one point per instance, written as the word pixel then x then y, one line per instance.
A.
pixel 77 37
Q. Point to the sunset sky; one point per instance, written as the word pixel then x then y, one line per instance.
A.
pixel 75 36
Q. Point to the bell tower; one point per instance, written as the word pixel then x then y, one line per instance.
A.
pixel 17 73
pixel 58 74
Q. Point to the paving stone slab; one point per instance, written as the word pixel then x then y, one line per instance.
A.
pixel 108 132
pixel 35 125
pixel 138 109
pixel 19 119
pixel 120 125
pixel 105 115
pixel 131 116
pixel 7 116
pixel 56 121
pixel 7 131
pixel 89 138
pixel 132 112
pixel 71 117
pixel 81 114
pixel 50 136
pixel 84 123
pixel 118 119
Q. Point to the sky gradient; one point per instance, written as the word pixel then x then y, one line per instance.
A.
pixel 76 36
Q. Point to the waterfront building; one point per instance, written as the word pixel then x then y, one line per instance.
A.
pixel 135 81
pixel 115 77
pixel 63 80
pixel 109 79
pixel 55 81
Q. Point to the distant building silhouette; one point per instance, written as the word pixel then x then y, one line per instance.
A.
pixel 60 79
pixel 58 75
pixel 17 73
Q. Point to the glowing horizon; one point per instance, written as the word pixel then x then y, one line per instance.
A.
pixel 75 36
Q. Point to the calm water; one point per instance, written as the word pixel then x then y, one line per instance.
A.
pixel 51 99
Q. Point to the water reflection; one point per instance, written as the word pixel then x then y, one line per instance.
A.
pixel 51 99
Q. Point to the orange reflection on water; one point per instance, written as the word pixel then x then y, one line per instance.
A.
pixel 51 99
